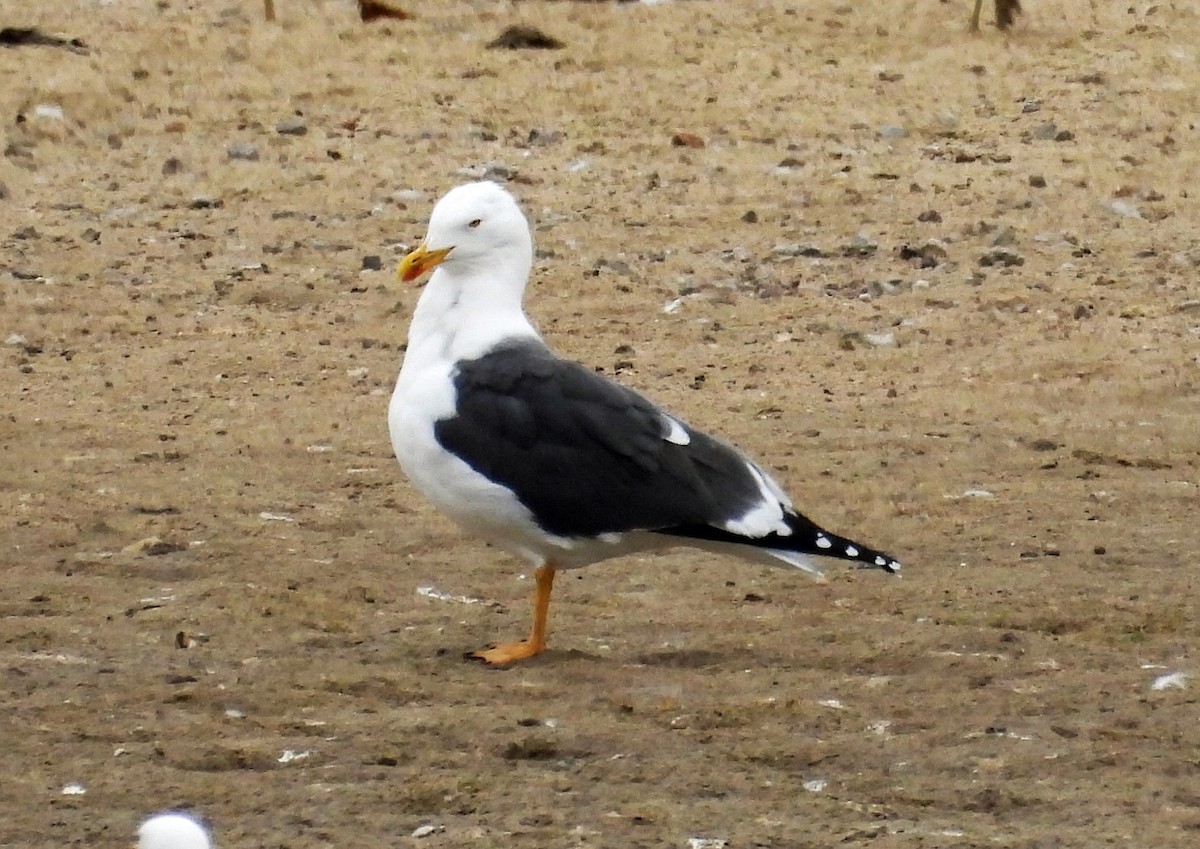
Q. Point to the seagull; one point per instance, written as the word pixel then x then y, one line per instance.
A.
pixel 173 830
pixel 547 459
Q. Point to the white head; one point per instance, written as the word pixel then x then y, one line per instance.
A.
pixel 173 831
pixel 474 228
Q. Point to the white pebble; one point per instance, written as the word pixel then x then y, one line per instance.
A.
pixel 49 110
pixel 1170 681
pixel 1125 209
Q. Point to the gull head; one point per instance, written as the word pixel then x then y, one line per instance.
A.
pixel 173 830
pixel 473 227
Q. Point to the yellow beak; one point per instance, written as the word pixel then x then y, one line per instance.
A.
pixel 420 260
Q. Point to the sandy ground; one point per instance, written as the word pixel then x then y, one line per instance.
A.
pixel 945 286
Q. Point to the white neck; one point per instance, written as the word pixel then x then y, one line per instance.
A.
pixel 464 311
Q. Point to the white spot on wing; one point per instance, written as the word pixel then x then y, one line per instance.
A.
pixel 676 432
pixel 765 517
pixel 823 541
pixel 851 551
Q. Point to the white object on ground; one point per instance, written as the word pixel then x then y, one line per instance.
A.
pixel 173 830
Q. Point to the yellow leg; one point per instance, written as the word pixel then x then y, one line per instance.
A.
pixel 974 27
pixel 505 653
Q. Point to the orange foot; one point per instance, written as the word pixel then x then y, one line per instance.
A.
pixel 506 653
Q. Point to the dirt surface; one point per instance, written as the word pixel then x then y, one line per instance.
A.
pixel 946 286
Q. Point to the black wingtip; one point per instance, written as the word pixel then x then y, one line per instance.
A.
pixel 810 538
pixel 882 561
pixel 806 538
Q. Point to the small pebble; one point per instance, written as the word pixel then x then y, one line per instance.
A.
pixel 292 126
pixel 243 150
pixel 372 262
pixel 499 171
pixel 1046 132
pixel 52 111
pixel 946 123
pixel 929 255
pixel 1170 681
pixel 1125 209
pixel 1002 257
pixel 687 140
pixel 545 138
pixel 1037 181
pixel 861 245
pixel 892 132
pixel 524 37
pixel 797 249
pixel 1005 237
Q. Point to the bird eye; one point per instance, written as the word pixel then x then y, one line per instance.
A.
pixel 475 223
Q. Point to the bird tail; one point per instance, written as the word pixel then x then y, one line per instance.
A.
pixel 805 540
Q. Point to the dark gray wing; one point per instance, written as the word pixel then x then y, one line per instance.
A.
pixel 586 455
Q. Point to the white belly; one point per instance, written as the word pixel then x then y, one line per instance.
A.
pixel 480 505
